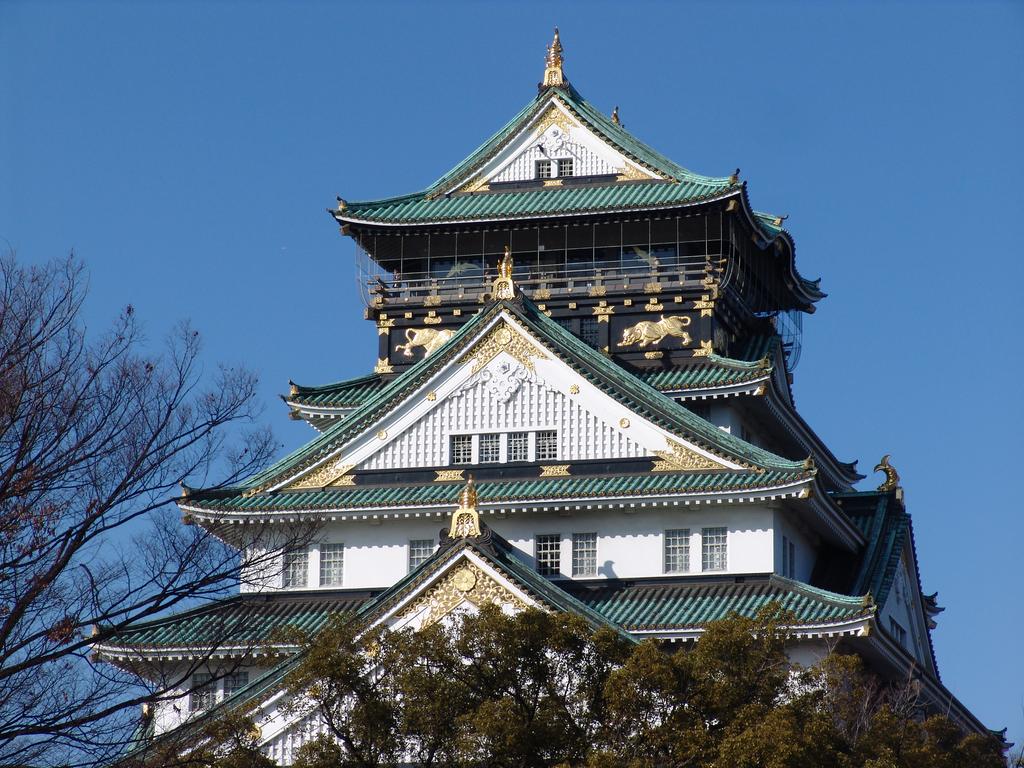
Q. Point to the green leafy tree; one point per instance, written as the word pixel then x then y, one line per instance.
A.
pixel 544 689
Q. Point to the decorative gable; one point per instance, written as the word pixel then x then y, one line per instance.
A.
pixel 556 134
pixel 508 383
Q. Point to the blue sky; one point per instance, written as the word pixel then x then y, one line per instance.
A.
pixel 187 151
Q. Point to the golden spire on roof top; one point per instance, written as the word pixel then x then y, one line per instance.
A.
pixel 553 64
pixel 465 519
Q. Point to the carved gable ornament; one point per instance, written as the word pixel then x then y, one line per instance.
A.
pixel 465 582
pixel 679 457
pixel 503 338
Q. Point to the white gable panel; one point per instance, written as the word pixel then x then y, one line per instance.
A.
pixel 586 162
pixel 556 133
pixel 485 404
pixel 902 606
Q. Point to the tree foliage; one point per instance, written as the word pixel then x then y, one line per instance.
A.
pixel 543 689
pixel 96 435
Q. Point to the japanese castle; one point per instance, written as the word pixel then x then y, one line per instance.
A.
pixel 582 401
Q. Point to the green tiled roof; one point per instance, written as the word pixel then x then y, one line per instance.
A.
pixel 240 621
pixel 438 203
pixel 688 605
pixel 443 494
pixel 885 526
pixel 717 372
pixel 546 201
pixel 595 367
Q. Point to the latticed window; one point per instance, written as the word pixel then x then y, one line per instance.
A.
pixel 462 449
pixel 590 333
pixel 235 682
pixel 584 554
pixel 548 553
pixel 519 446
pixel 490 448
pixel 204 692
pixel 543 169
pixel 677 550
pixel 296 566
pixel 419 550
pixel 713 545
pixel 547 445
pixel 565 167
pixel 332 565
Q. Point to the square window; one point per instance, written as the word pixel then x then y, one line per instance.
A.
pixel 235 682
pixel 543 169
pixel 714 556
pixel 547 445
pixel 490 448
pixel 519 446
pixel 677 550
pixel 548 553
pixel 296 566
pixel 332 565
pixel 565 167
pixel 204 692
pixel 462 449
pixel 584 554
pixel 419 551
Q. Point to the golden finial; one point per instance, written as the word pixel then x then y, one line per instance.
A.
pixel 553 64
pixel 465 519
pixel 503 287
pixel 892 478
pixel 615 115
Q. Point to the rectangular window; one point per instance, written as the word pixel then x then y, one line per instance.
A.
pixel 584 554
pixel 419 551
pixel 677 550
pixel 235 682
pixel 204 692
pixel 785 557
pixel 565 167
pixel 543 169
pixel 332 565
pixel 490 448
pixel 547 445
pixel 792 560
pixel 462 449
pixel 897 631
pixel 296 566
pixel 519 446
pixel 714 556
pixel 548 552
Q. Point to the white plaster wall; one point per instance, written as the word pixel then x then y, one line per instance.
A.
pixel 901 605
pixel 585 162
pixel 582 433
pixel 628 545
pixel 806 554
pixel 174 711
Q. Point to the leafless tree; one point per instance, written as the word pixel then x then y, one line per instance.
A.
pixel 96 435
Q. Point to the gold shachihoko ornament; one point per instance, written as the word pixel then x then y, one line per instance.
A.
pixel 503 287
pixel 465 519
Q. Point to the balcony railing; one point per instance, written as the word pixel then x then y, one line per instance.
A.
pixel 536 282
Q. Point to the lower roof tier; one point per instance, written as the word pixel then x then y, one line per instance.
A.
pixel 245 623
